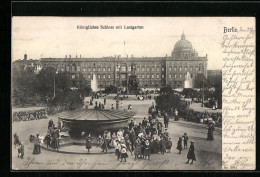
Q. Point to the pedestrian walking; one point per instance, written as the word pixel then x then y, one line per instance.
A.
pixel 185 140
pixel 176 115
pixel 47 139
pixel 162 146
pixel 211 129
pixel 37 147
pixel 168 145
pixel 191 153
pixel 166 120
pixel 21 150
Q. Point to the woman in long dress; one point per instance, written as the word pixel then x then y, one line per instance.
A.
pixel 114 137
pixel 191 153
pixel 37 147
pixel 88 143
pixel 137 148
pixel 211 129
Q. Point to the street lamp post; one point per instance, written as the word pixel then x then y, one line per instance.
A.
pixel 54 84
pixel 203 92
pixel 117 95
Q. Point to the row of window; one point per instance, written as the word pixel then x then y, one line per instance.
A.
pixel 123 76
pixel 149 83
pixel 89 76
pixel 123 68
pixel 148 69
pixel 197 68
pixel 175 76
pixel 73 68
pixel 143 76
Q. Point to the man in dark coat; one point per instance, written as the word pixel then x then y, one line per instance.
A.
pixel 166 120
pixel 168 145
pixel 131 124
pixel 162 146
pixel 132 138
pixel 144 122
pixel 47 139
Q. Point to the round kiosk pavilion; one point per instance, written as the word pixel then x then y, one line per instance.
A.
pixel 94 121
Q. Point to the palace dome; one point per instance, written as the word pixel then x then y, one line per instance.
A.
pixel 182 46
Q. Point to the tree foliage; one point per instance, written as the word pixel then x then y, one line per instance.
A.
pixel 133 83
pixel 23 86
pixel 26 86
pixel 170 100
pixel 110 89
pixel 166 90
pixel 199 80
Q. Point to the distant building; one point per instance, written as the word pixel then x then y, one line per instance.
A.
pixel 24 63
pixel 152 72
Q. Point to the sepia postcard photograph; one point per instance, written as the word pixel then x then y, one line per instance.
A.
pixel 133 93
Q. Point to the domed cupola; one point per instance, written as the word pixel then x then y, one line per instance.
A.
pixel 182 46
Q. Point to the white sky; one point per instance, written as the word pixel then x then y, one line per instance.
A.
pixel 43 37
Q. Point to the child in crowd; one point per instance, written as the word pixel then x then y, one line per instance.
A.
pixel 118 149
pixel 179 145
pixel 123 152
pixel 99 140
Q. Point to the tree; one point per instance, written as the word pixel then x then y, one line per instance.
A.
pixel 188 92
pixel 68 100
pixel 166 90
pixel 199 80
pixel 215 81
pixel 170 100
pixel 82 85
pixel 110 89
pixel 45 83
pixel 23 86
pixel 133 83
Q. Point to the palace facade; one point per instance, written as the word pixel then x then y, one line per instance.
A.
pixel 152 72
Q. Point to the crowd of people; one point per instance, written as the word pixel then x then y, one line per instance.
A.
pixel 205 117
pixel 51 140
pixel 29 115
pixel 141 140
pixel 144 97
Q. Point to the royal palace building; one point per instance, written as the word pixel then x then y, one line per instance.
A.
pixel 152 72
